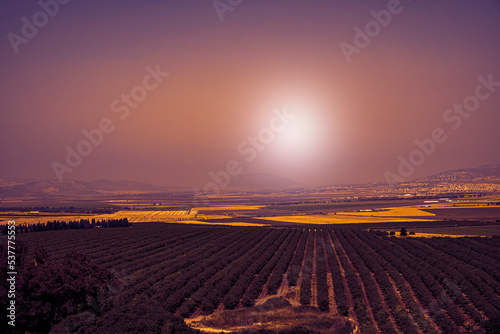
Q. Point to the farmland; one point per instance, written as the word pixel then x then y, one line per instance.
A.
pixel 273 261
pixel 230 278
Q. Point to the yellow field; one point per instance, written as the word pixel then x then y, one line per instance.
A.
pixel 394 212
pixel 456 206
pixel 44 219
pixel 229 208
pixel 205 223
pixel 148 216
pixel 337 219
pixel 133 216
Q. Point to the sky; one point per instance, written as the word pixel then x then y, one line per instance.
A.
pixel 178 92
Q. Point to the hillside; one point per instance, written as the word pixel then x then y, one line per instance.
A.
pixel 48 188
pixel 483 174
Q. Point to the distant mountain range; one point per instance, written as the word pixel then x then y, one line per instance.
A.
pixel 33 187
pixel 483 174
pixel 70 188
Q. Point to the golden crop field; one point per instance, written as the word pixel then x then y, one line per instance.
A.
pixel 227 224
pixel 229 208
pixel 148 216
pixel 45 218
pixel 132 215
pixel 393 212
pixel 455 205
pixel 337 219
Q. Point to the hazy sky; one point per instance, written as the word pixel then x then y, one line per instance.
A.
pixel 349 118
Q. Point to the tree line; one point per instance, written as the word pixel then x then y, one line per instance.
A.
pixel 58 225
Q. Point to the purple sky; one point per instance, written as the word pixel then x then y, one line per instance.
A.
pixel 352 119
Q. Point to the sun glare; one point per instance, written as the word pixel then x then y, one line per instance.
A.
pixel 302 135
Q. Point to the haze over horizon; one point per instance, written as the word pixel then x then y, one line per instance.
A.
pixel 212 85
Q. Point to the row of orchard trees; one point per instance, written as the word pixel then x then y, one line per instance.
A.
pixel 447 287
pixel 388 285
pixel 58 225
pixel 74 295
